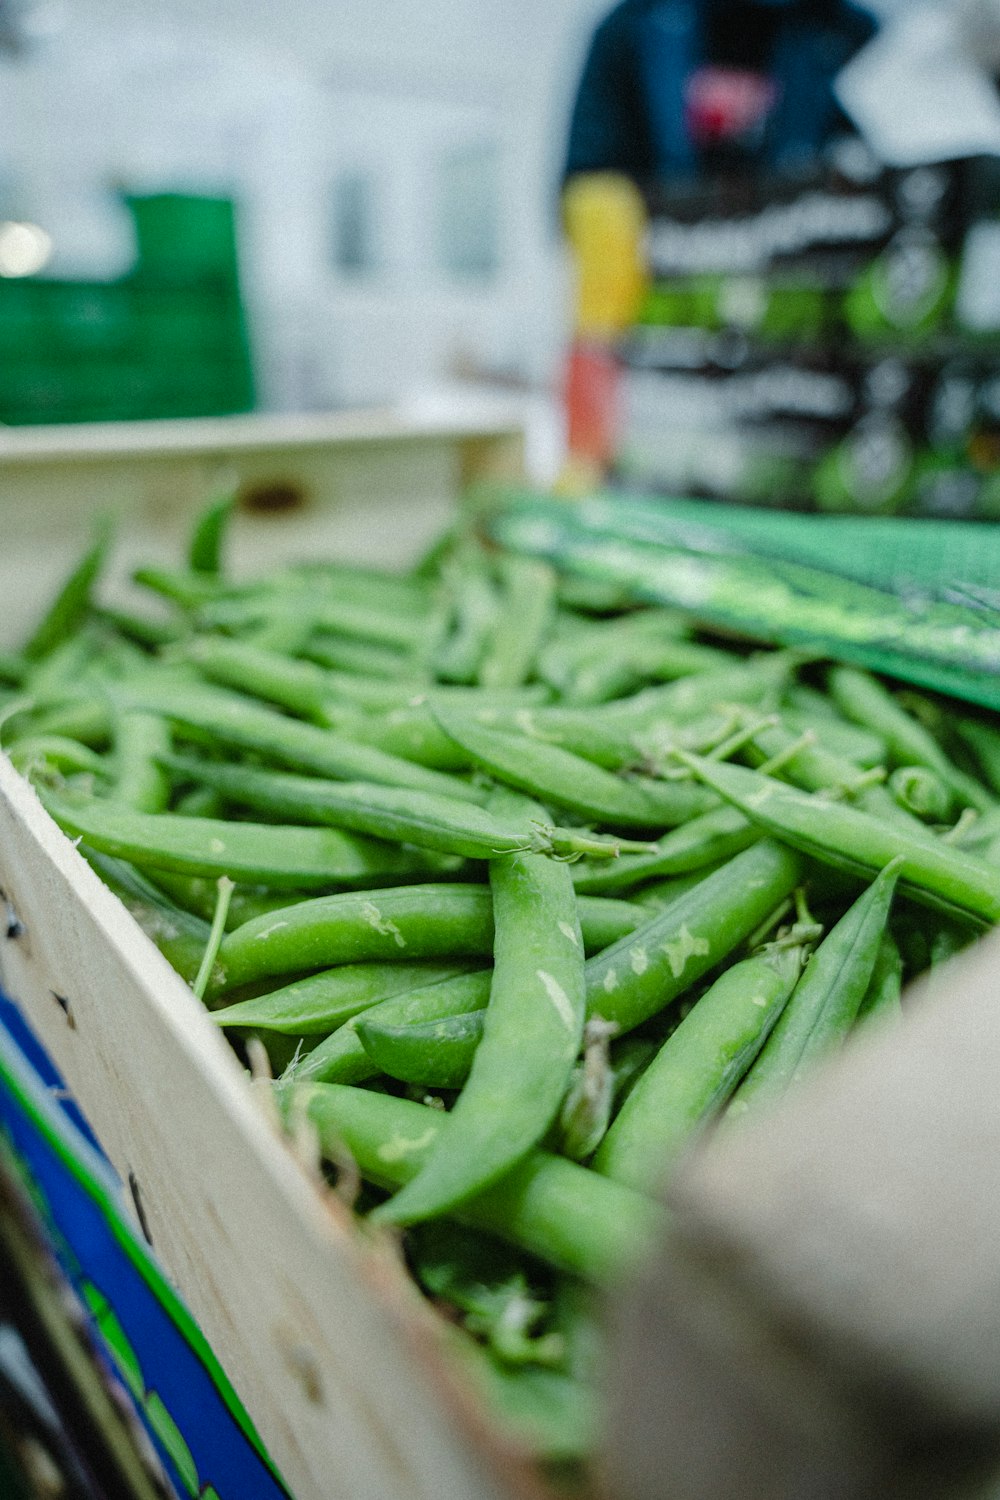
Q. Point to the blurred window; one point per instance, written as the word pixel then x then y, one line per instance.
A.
pixel 355 230
pixel 467 217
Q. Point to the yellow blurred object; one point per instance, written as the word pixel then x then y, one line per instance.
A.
pixel 605 219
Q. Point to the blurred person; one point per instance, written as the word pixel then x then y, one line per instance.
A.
pixel 674 92
pixel 673 88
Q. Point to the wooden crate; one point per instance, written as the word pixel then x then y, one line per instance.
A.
pixel 372 487
pixel 336 1360
pixel 825 1317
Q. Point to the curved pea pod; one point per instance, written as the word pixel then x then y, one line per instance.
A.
pixel 70 607
pixel 641 974
pixel 433 1054
pixel 522 622
pixel 208 535
pixel 400 924
pixel 618 668
pixel 140 739
pixel 566 1215
pixel 68 756
pixel 826 1000
pixel 697 1068
pixel 706 840
pixel 753 679
pixel 984 742
pixel 321 1003
pixel 922 792
pixel 342 1057
pixel 531 1036
pixel 864 699
pixel 566 780
pixel 815 768
pixel 180 937
pixel 883 996
pixel 255 852
pixel 234 720
pixel 932 871
pixel 423 819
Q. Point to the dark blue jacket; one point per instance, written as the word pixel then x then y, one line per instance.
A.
pixel 629 114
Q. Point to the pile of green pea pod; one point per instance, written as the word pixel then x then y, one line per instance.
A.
pixel 521 885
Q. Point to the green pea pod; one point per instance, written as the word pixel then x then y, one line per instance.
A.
pixel 706 840
pixel 697 1068
pixel 922 792
pixel 566 1215
pixel 140 740
pixel 32 753
pixel 434 1054
pixel 419 818
pixel 209 534
pixel 566 780
pixel 639 976
pixel 405 924
pixel 524 618
pixel 321 1003
pixel 180 937
pixel 254 852
pixel 72 603
pixel 815 768
pixel 826 1000
pixel 342 1057
pixel 234 720
pixel 882 997
pixel 862 698
pixel 531 1036
pixel 339 653
pixel 984 742
pixel 548 1414
pixel 932 872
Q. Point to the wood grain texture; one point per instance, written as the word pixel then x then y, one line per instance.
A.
pixel 826 1319
pixel 325 1344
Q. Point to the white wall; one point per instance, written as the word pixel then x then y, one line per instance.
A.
pixel 272 103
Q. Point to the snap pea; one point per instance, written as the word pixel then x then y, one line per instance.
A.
pixel 342 1057
pixel 922 792
pixel 613 672
pixel 71 605
pixel 883 995
pixel 932 871
pixel 35 752
pixel 705 840
pixel 419 818
pixel 140 739
pixel 697 1068
pixel 434 1054
pixel 208 535
pixel 141 630
pixel 826 1000
pixel 527 604
pixel 576 644
pixel 531 1035
pixel 180 937
pixel 816 769
pixel 642 973
pixel 442 921
pixel 234 720
pixel 341 654
pixel 566 780
pixel 255 852
pixel 320 1003
pixel 476 603
pixel 567 1216
pixel 865 700
pixel 984 742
